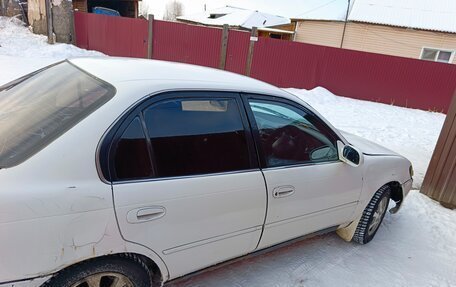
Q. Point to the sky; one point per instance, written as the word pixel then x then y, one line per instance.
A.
pixel 287 8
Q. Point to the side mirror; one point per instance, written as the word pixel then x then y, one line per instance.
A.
pixel 349 154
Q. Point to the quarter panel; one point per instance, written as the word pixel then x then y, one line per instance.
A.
pixel 54 209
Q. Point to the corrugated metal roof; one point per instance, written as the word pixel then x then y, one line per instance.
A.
pixel 235 16
pixel 327 10
pixel 436 15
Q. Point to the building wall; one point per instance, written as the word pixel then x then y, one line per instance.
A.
pixel 395 41
pixel 373 38
pixel 80 5
pixel 37 16
pixel 288 27
pixel 325 33
pixel 62 18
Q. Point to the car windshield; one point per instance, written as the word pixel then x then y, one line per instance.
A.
pixel 38 108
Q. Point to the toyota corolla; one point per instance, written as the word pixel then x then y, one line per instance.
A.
pixel 130 173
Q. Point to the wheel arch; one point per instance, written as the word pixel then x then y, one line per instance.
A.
pixel 347 232
pixel 158 274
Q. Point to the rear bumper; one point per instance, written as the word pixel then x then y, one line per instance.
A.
pixel 36 282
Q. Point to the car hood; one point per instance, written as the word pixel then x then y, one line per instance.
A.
pixel 367 147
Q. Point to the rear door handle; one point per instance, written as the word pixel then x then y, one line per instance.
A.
pixel 283 191
pixel 144 214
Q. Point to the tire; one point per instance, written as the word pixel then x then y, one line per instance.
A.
pixel 105 272
pixel 372 216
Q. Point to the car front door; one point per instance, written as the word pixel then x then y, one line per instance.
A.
pixel 309 188
pixel 186 180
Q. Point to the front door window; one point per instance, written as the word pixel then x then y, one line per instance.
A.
pixel 290 136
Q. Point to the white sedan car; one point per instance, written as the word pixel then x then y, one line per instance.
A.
pixel 120 172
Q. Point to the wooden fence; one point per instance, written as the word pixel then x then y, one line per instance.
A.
pixel 440 180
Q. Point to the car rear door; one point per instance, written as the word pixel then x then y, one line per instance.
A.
pixel 309 188
pixel 186 181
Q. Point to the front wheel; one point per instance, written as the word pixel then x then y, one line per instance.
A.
pixel 372 216
pixel 118 271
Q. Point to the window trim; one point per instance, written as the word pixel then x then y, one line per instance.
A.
pixel 256 134
pixel 438 53
pixel 112 136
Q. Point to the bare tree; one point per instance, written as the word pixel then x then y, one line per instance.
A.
pixel 173 9
pixel 144 8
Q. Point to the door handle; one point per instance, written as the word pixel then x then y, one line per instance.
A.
pixel 283 191
pixel 144 214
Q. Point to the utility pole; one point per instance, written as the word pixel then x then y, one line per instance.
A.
pixel 345 24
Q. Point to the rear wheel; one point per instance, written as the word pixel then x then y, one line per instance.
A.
pixel 118 271
pixel 372 216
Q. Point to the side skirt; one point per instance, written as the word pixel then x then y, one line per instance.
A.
pixel 252 255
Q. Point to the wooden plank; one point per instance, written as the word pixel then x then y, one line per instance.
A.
pixel 253 39
pixel 150 36
pixel 440 180
pixel 447 188
pixel 224 47
pixel 447 159
pixel 451 194
pixel 441 143
pixel 449 133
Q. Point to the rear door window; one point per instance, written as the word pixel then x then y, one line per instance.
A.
pixel 185 136
pixel 197 136
pixel 132 159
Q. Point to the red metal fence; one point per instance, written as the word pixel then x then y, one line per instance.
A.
pixel 183 43
pixel 367 76
pixel 114 36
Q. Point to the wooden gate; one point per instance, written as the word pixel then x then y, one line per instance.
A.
pixel 440 180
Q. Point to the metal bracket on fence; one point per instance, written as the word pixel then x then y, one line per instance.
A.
pixel 253 39
pixel 224 47
pixel 150 36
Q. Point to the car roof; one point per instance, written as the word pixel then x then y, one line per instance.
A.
pixel 116 70
pixel 163 75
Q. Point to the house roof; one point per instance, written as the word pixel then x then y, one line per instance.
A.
pixel 235 16
pixel 275 30
pixel 436 15
pixel 327 10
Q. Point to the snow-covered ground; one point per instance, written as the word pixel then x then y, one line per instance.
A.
pixel 416 247
pixel 22 52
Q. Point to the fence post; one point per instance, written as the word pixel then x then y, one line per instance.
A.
pixel 224 47
pixel 2 8
pixel 73 28
pixel 150 36
pixel 50 32
pixel 253 39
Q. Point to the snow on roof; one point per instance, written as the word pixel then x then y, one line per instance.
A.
pixel 273 30
pixel 328 10
pixel 437 15
pixel 235 16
